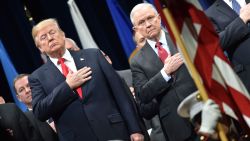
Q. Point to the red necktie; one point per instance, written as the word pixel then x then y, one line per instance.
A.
pixel 65 71
pixel 163 54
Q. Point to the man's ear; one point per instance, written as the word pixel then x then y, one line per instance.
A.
pixel 37 45
pixel 41 50
pixel 18 97
pixel 134 28
pixel 63 34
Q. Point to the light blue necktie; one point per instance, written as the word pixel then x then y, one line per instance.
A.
pixel 236 6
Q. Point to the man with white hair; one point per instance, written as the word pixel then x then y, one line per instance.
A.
pixel 159 73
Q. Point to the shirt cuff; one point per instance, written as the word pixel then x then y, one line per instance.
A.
pixel 165 76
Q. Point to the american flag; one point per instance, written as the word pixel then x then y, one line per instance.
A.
pixel 203 47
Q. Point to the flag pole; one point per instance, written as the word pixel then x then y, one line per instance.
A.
pixel 190 65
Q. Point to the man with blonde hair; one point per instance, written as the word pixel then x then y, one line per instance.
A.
pixel 80 91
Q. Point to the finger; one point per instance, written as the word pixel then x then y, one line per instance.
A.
pixel 85 70
pixel 179 61
pixel 86 74
pixel 87 78
pixel 82 69
pixel 177 54
pixel 166 60
pixel 70 71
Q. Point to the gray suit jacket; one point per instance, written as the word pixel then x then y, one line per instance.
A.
pixel 150 84
pixel 126 75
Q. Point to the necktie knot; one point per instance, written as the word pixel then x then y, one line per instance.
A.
pixel 60 61
pixel 65 69
pixel 162 53
pixel 158 44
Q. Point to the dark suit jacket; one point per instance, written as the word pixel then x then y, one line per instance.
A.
pixel 101 115
pixel 149 84
pixel 148 111
pixel 47 133
pixel 234 37
pixel 126 75
pixel 18 125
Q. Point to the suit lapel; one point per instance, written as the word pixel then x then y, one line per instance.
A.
pixel 149 54
pixel 79 58
pixel 80 62
pixel 171 45
pixel 151 57
pixel 53 72
pixel 53 76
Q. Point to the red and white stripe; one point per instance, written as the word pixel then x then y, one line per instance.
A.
pixel 202 45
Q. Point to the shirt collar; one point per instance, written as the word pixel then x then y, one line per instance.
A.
pixel 241 2
pixel 162 40
pixel 67 56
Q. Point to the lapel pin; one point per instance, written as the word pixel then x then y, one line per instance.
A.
pixel 81 59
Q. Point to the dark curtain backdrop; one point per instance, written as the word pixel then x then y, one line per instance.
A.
pixel 15 34
pixel 15 31
pixel 96 16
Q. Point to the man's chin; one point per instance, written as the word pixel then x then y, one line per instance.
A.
pixel 152 35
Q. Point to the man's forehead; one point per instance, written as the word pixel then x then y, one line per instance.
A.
pixel 20 82
pixel 143 14
pixel 47 27
pixel 23 79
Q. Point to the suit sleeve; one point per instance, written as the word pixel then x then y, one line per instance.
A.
pixel 232 34
pixel 147 89
pixel 49 105
pixel 120 95
pixel 149 110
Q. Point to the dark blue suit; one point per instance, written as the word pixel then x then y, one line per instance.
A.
pixel 106 113
pixel 234 37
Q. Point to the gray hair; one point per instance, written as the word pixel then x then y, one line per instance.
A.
pixel 138 7
pixel 72 41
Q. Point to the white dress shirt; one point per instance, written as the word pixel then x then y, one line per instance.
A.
pixel 241 2
pixel 166 47
pixel 69 62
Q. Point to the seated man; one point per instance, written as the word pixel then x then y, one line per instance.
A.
pixel 23 92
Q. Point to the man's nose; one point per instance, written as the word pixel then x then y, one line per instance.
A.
pixel 147 23
pixel 27 89
pixel 50 37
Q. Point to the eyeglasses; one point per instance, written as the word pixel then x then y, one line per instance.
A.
pixel 149 19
